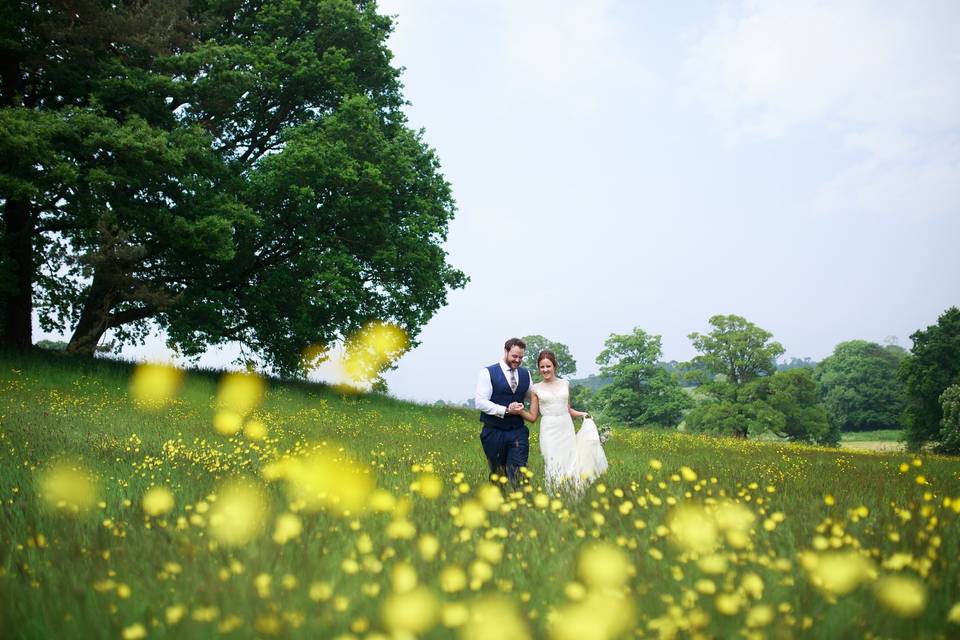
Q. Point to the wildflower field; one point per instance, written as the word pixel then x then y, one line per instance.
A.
pixel 137 504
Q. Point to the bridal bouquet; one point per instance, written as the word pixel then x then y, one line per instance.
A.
pixel 604 431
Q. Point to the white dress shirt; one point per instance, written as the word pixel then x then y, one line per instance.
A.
pixel 485 390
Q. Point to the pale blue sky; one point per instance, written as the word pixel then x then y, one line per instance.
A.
pixel 641 164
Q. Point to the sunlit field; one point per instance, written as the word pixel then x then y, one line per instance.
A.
pixel 153 507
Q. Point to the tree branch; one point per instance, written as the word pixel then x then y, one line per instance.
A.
pixel 131 315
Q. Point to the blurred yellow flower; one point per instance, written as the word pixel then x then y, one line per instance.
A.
pixel 239 513
pixel 692 528
pixel 428 546
pixel 174 613
pixel 575 591
pixel 953 615
pixel 735 520
pixel 480 571
pixel 838 572
pixel 603 565
pixel 320 591
pixel 473 514
pixel 494 618
pixel 599 616
pixel 288 527
pixel 490 551
pixel 688 474
pixel 752 584
pixel 382 501
pixel 68 486
pixel 705 586
pixel 403 577
pixel 157 501
pixel 255 430
pixel 240 393
pixel 227 422
pixel 429 485
pixel 903 595
pixel 454 614
pixel 401 529
pixel 134 632
pixel 490 497
pixel 453 579
pixel 371 349
pixel 262 584
pixel 713 564
pixel 760 616
pixel 728 603
pixel 154 385
pixel 325 479
pixel 415 611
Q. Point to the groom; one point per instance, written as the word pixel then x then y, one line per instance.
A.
pixel 502 389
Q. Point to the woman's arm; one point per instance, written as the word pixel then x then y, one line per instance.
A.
pixel 534 413
pixel 577 414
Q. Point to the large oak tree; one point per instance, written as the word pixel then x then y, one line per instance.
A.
pixel 229 171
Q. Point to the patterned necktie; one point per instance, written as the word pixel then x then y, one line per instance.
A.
pixel 513 380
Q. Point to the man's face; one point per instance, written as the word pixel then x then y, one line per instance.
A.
pixel 514 357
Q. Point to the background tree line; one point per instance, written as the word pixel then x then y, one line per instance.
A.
pixel 735 385
pixel 225 171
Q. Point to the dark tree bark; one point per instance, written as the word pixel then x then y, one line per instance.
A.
pixel 95 317
pixel 17 304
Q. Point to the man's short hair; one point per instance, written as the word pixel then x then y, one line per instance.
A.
pixel 514 342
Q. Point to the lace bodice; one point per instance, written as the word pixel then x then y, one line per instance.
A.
pixel 554 397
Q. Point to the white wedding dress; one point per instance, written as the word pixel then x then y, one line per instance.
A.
pixel 570 459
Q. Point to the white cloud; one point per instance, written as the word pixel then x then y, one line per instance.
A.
pixel 774 65
pixel 881 76
pixel 573 53
pixel 919 182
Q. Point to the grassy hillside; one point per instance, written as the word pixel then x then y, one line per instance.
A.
pixel 362 516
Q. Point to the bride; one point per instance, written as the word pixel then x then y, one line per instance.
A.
pixel 570 458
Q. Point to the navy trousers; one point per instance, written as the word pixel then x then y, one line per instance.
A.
pixel 506 450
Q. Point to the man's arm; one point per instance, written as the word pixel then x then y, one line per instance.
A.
pixel 482 397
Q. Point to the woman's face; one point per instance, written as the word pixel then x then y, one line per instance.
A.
pixel 546 369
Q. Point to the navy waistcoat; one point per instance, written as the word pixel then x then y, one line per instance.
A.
pixel 502 395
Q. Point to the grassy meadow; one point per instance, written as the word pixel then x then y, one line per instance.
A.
pixel 357 516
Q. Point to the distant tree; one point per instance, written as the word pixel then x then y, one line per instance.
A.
pixel 934 365
pixel 796 363
pixel 592 382
pixel 536 344
pixel 795 394
pixel 785 404
pixel 859 386
pixel 582 397
pixel 688 375
pixel 738 418
pixel 745 393
pixel 642 392
pixel 949 437
pixel 736 349
pixel 52 345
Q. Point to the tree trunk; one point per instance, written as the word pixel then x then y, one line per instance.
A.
pixel 95 317
pixel 17 305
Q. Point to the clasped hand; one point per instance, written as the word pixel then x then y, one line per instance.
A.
pixel 515 408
